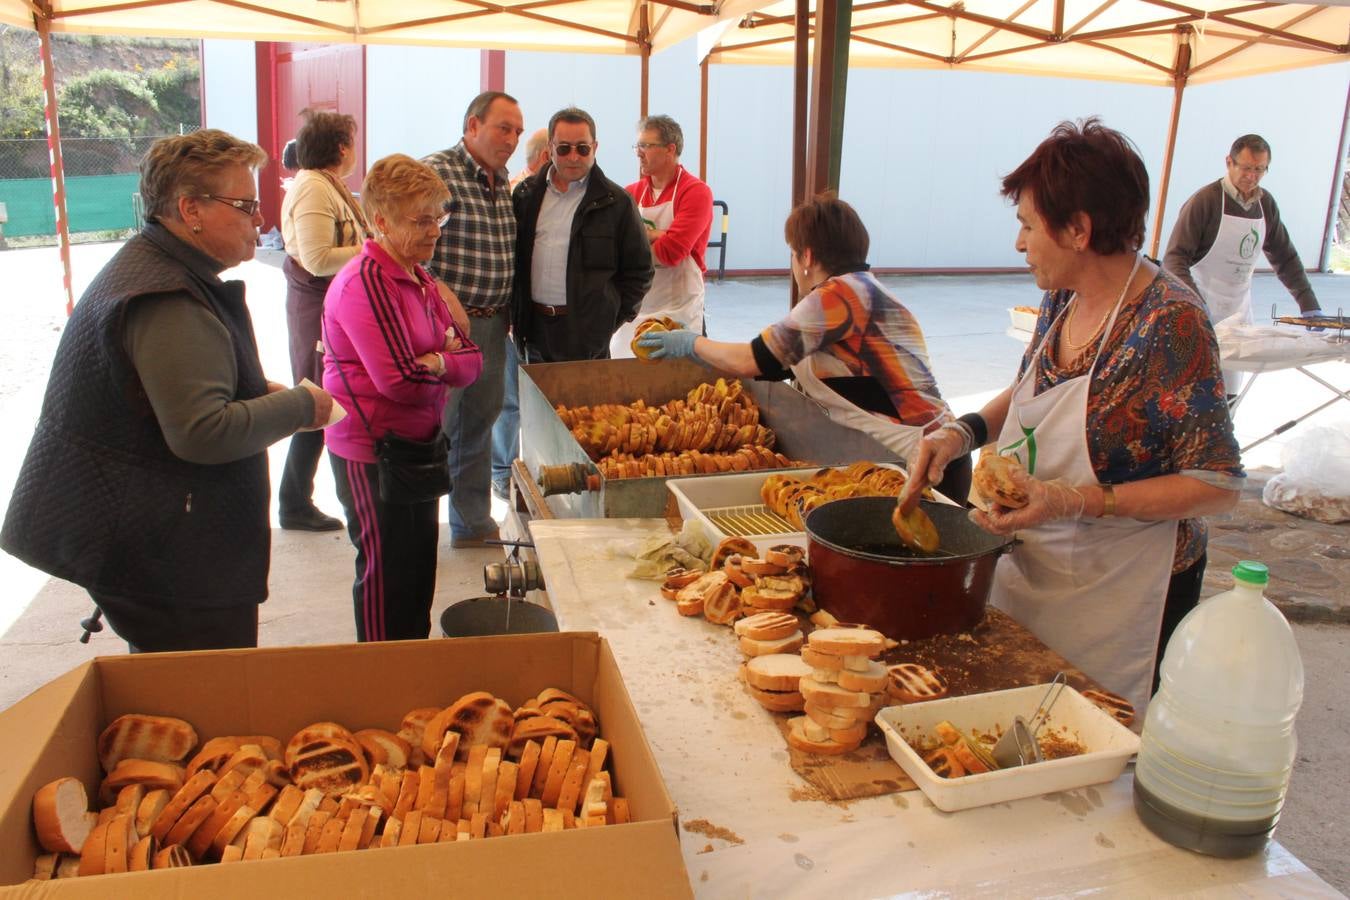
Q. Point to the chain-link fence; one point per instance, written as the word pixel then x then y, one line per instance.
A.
pixel 101 176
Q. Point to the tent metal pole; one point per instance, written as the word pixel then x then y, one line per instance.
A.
pixel 703 120
pixel 802 29
pixel 645 47
pixel 43 25
pixel 829 83
pixel 1337 178
pixel 1179 76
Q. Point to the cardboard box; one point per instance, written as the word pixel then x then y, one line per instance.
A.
pixel 53 732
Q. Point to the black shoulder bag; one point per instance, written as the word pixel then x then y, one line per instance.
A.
pixel 409 471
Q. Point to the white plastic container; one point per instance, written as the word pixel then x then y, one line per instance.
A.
pixel 1109 745
pixel 1218 742
pixel 730 505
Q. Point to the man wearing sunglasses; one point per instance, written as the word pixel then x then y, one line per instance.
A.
pixel 1217 234
pixel 583 262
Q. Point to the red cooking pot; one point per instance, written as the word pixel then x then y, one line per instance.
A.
pixel 862 573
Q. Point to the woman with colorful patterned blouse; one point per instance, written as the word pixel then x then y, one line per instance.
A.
pixel 851 346
pixel 1117 415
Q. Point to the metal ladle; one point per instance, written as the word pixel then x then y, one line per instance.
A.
pixel 1018 745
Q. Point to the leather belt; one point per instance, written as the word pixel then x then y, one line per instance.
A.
pixel 551 312
pixel 483 312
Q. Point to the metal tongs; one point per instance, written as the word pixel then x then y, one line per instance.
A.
pixel 1018 745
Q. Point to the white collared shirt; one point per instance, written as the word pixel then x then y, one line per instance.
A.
pixel 552 235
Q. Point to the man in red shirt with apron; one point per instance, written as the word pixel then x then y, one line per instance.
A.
pixel 677 209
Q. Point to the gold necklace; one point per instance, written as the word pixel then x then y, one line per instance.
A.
pixel 1068 321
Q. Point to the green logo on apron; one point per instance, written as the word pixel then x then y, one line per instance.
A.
pixel 1028 440
pixel 1247 246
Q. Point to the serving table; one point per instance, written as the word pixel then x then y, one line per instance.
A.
pixel 751 827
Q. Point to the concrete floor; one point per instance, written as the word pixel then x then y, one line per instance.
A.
pixel 965 321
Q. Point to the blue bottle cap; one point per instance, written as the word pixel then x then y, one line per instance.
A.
pixel 1251 571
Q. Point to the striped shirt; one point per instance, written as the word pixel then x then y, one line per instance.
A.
pixel 476 255
pixel 851 327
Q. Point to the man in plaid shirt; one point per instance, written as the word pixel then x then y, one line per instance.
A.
pixel 476 258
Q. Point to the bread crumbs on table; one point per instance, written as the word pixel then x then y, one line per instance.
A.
pixel 707 829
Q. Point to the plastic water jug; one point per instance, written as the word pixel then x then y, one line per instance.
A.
pixel 1218 742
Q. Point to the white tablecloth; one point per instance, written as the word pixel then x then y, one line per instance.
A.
pixel 1269 348
pixel 726 766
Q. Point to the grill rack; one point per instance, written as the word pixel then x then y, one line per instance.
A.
pixel 1338 324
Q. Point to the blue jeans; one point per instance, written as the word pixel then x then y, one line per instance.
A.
pixel 469 416
pixel 506 433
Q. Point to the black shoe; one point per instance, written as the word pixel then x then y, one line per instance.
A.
pixel 310 520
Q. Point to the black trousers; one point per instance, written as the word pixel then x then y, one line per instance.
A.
pixel 158 629
pixel 296 494
pixel 395 555
pixel 1183 595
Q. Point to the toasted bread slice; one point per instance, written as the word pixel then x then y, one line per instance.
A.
pixel 913 683
pixel 61 816
pixel 383 747
pixel 149 773
pixel 778 701
pixel 768 626
pixel 844 641
pixel 331 764
pixel 1114 705
pixel 871 680
pixel 479 718
pixel 797 739
pixel 156 738
pixel 832 696
pixel 776 672
pixel 789 644
pixel 312 733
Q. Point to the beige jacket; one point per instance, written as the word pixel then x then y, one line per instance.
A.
pixel 321 230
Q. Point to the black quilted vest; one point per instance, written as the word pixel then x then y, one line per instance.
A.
pixel 101 500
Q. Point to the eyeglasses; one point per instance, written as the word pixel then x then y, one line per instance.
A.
pixel 425 222
pixel 643 145
pixel 1253 170
pixel 565 149
pixel 247 207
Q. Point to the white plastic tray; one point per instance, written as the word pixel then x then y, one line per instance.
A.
pixel 1021 319
pixel 1109 744
pixel 717 493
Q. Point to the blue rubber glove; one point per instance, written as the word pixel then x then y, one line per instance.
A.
pixel 670 344
pixel 1315 311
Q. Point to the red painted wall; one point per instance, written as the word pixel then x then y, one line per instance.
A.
pixel 293 77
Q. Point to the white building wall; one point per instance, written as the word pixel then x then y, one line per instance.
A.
pixel 416 97
pixel 924 150
pixel 230 89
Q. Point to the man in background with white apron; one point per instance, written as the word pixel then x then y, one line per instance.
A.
pixel 676 209
pixel 1216 236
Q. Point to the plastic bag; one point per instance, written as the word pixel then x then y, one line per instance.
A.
pixel 1315 482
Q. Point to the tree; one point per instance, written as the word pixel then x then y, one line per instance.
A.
pixel 105 103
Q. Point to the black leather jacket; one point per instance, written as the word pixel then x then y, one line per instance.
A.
pixel 609 263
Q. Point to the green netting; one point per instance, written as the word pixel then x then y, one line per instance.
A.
pixel 95 203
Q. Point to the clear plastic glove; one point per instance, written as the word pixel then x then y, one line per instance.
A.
pixel 1315 311
pixel 670 344
pixel 1047 501
pixel 932 455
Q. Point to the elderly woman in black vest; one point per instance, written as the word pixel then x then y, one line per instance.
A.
pixel 146 481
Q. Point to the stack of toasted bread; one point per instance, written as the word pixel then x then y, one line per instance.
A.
pixel 715 428
pixel 477 768
pixel 738 583
pixel 792 497
pixel 842 691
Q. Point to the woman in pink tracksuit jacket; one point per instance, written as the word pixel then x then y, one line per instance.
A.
pixel 395 342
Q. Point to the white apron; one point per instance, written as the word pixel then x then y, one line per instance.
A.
pixel 896 437
pixel 1091 589
pixel 1224 277
pixel 676 291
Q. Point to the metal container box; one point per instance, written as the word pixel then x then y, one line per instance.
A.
pixel 804 430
